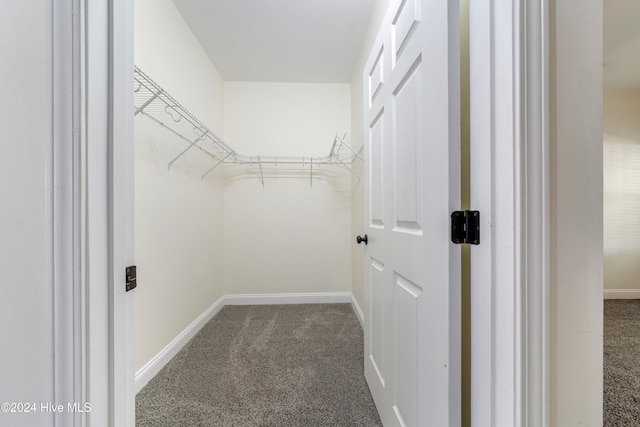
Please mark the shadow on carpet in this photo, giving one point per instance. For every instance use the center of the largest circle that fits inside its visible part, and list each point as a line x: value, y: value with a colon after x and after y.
x: 274, y: 365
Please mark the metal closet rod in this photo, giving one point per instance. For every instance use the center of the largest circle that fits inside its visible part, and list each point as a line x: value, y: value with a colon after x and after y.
x: 179, y: 115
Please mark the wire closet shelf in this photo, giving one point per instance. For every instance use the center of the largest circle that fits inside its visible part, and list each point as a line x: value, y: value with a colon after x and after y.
x: 154, y: 102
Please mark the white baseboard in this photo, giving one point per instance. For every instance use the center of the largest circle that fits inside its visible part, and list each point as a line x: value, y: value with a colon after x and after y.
x: 358, y: 310
x: 153, y: 366
x: 290, y: 298
x: 622, y: 294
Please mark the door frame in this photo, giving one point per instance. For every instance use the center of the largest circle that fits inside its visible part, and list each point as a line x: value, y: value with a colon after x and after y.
x: 510, y: 276
x: 537, y: 276
x: 91, y: 206
x: 502, y: 394
x: 94, y: 337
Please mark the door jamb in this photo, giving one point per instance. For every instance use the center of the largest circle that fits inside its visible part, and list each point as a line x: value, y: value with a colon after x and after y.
x: 121, y: 215
x: 529, y: 205
x: 91, y: 206
x: 510, y: 180
x: 535, y: 217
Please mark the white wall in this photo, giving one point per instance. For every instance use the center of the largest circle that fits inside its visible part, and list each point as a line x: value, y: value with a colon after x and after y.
x: 167, y: 50
x: 26, y: 369
x: 178, y: 216
x: 621, y: 127
x: 287, y: 236
x: 576, y: 213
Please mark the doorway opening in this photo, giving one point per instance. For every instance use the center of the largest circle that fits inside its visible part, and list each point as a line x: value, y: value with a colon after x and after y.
x: 621, y: 209
x: 262, y: 232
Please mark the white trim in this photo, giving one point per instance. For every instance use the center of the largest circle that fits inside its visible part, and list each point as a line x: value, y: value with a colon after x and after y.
x: 63, y: 241
x: 357, y: 310
x: 98, y: 316
x: 288, y: 298
x: 534, y: 201
x: 509, y: 176
x: 120, y: 169
x: 104, y: 41
x: 621, y: 294
x: 153, y: 366
x: 483, y: 122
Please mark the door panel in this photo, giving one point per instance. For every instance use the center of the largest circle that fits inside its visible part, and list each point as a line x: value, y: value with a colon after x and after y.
x: 376, y: 171
x: 408, y: 329
x: 407, y: 109
x: 404, y: 23
x: 376, y: 77
x: 412, y: 327
x: 377, y: 314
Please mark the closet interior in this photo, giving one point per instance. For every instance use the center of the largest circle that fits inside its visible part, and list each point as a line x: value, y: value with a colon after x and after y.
x: 246, y: 191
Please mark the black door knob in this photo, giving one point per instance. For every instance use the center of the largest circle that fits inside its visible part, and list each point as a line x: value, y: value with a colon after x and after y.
x: 364, y: 239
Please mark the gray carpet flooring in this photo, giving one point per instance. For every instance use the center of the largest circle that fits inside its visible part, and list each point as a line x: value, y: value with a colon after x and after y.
x: 622, y: 363
x: 277, y: 365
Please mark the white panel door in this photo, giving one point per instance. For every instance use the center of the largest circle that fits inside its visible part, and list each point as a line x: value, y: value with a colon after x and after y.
x: 412, y: 271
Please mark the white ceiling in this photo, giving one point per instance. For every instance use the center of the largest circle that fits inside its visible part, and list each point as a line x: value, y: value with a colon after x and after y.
x: 621, y: 44
x: 319, y: 40
x: 314, y: 41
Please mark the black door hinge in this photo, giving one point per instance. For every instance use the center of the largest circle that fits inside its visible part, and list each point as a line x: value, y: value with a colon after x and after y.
x: 131, y: 278
x: 465, y: 227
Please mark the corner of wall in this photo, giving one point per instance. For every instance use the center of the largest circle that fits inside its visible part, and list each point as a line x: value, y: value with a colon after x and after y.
x: 175, y: 209
x: 576, y: 248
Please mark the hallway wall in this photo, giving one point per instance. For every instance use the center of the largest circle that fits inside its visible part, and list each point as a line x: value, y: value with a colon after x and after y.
x: 26, y: 305
x: 576, y: 274
x: 178, y: 216
x: 621, y: 128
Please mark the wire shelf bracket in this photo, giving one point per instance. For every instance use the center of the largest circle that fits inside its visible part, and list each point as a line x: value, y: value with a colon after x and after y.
x: 154, y: 102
